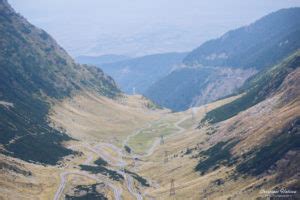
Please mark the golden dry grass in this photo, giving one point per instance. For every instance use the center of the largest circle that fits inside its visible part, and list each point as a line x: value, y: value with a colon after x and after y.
x: 91, y: 117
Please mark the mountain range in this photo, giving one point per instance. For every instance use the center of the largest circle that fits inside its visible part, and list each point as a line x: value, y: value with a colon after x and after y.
x: 238, y: 54
x: 69, y: 132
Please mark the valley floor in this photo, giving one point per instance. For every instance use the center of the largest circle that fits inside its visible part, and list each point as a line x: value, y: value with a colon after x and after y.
x: 152, y: 159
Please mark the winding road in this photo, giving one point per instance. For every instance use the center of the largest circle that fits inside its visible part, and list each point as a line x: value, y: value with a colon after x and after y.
x: 115, y: 162
x: 63, y: 176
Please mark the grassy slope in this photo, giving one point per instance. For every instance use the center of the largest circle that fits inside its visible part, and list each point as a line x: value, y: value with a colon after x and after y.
x: 34, y: 71
x: 91, y: 117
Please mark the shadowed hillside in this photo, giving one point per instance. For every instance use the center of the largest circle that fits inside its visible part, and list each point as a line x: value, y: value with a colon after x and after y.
x: 35, y: 71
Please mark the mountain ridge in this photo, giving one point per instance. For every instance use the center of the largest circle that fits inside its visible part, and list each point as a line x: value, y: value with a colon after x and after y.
x: 36, y: 71
x: 249, y: 46
x: 251, y: 49
x: 140, y: 73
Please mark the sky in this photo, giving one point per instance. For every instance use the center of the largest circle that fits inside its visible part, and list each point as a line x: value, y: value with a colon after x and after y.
x: 141, y: 27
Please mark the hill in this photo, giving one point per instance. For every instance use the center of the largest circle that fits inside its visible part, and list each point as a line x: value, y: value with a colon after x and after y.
x: 140, y: 73
x: 125, y: 147
x: 35, y: 71
x: 238, y: 54
x: 238, y: 157
x: 257, y: 89
x: 258, y: 45
x: 193, y: 86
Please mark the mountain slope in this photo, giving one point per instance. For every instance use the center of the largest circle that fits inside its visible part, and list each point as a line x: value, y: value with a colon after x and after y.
x: 140, y: 73
x: 261, y: 44
x: 257, y: 89
x: 192, y: 86
x: 35, y: 72
x: 255, y: 151
x: 247, y: 50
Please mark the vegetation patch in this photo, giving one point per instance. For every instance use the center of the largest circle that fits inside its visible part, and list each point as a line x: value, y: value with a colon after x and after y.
x: 100, y: 162
x: 137, y: 177
x: 216, y: 155
x: 152, y: 106
x: 90, y: 193
x: 14, y: 168
x: 103, y: 170
x: 35, y: 70
x: 127, y: 149
x: 269, y: 154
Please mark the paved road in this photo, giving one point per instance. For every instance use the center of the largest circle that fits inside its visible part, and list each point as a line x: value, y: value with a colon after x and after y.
x: 115, y: 162
x: 117, y: 191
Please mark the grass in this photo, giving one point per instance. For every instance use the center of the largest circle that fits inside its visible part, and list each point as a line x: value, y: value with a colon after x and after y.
x: 100, y: 162
x: 137, y: 177
x: 35, y: 71
x: 88, y: 116
x: 261, y: 160
x: 215, y: 156
x: 91, y: 193
x: 127, y: 149
x: 143, y: 141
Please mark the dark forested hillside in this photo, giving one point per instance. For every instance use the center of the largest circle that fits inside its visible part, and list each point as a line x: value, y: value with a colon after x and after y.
x: 34, y: 71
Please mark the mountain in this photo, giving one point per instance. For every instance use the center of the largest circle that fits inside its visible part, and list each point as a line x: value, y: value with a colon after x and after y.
x: 262, y: 126
x: 36, y: 72
x: 258, y: 45
x: 240, y: 53
x: 140, y: 73
x: 190, y: 86
x: 259, y: 88
x: 250, y: 150
x: 98, y: 60
x: 68, y: 132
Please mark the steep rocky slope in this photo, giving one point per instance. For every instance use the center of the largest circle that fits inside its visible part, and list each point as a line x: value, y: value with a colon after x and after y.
x: 257, y: 89
x: 34, y: 72
x: 194, y: 86
x: 249, y: 49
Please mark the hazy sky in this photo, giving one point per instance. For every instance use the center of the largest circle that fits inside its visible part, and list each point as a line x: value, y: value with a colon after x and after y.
x: 139, y: 27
